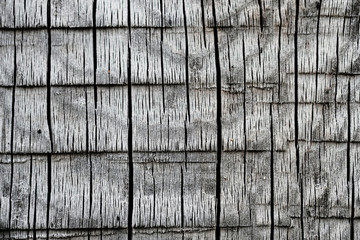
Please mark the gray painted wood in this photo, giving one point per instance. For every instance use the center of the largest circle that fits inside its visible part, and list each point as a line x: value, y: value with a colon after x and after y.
x: 243, y: 128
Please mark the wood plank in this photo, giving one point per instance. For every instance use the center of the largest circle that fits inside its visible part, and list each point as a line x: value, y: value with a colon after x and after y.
x: 112, y: 56
x: 7, y: 18
x: 85, y: 190
x: 110, y: 191
x: 157, y: 195
x: 6, y: 95
x: 200, y: 193
x: 323, y: 122
x: 146, y: 56
x: 7, y: 56
x: 326, y: 192
x: 245, y: 189
x: 108, y: 124
x: 106, y: 234
x: 27, y: 193
x: 245, y: 233
x: 69, y: 110
x: 31, y: 130
x: 355, y: 177
x: 70, y: 190
x: 30, y: 13
x: 5, y: 193
x: 111, y: 13
x: 201, y: 124
x: 159, y: 118
x: 354, y: 122
x: 286, y: 190
x: 31, y: 57
x: 163, y: 234
x: 104, y: 130
x: 162, y: 180
x: 146, y: 13
x: 71, y: 13
x: 71, y: 57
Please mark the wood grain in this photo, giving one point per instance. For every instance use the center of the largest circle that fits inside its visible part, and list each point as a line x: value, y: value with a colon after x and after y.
x: 179, y: 119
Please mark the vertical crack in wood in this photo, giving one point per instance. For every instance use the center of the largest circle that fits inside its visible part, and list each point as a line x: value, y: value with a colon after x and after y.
x: 244, y: 107
x: 162, y: 53
x: 318, y: 5
x: 349, y: 177
x: 12, y: 132
x: 186, y: 68
x: 182, y: 198
x: 88, y: 156
x: 279, y: 52
x: 94, y: 50
x: 203, y: 21
x: 299, y: 174
x: 259, y: 48
x: 95, y: 70
x: 187, y: 118
x: 29, y: 197
x: 130, y: 137
x: 48, y: 96
x: 218, y: 121
x: 272, y: 174
x: 48, y: 195
x: 35, y: 216
x: 261, y: 15
x: 337, y: 66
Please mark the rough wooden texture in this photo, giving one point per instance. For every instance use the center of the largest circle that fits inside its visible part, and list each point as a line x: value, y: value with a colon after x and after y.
x: 179, y: 119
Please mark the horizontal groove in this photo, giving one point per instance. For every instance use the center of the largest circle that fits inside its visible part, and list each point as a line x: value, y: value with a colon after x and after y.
x: 97, y: 84
x: 141, y: 152
x: 325, y: 73
x: 173, y: 152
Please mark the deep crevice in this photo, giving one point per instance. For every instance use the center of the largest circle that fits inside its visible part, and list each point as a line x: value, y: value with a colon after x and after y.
x: 48, y: 96
x: 261, y: 15
x: 30, y: 186
x: 95, y: 51
x: 162, y: 55
x: 337, y: 66
x: 12, y: 133
x: 317, y: 50
x: 94, y: 28
x: 130, y: 137
x: 187, y: 64
x: 35, y: 216
x: 48, y: 195
x: 279, y: 54
x: 203, y: 21
x: 272, y: 175
x: 348, y: 160
x: 182, y: 198
x: 218, y: 121
x: 299, y: 174
x: 244, y: 107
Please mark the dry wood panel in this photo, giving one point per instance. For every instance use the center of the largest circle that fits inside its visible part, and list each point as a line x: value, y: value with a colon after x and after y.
x: 100, y: 179
x: 26, y: 188
x: 71, y: 13
x: 5, y: 119
x: 31, y: 131
x: 179, y: 119
x: 7, y: 52
x: 112, y: 56
x: 72, y: 57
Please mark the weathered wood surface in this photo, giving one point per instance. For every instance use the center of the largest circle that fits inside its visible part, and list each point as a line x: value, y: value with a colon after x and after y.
x: 179, y: 119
